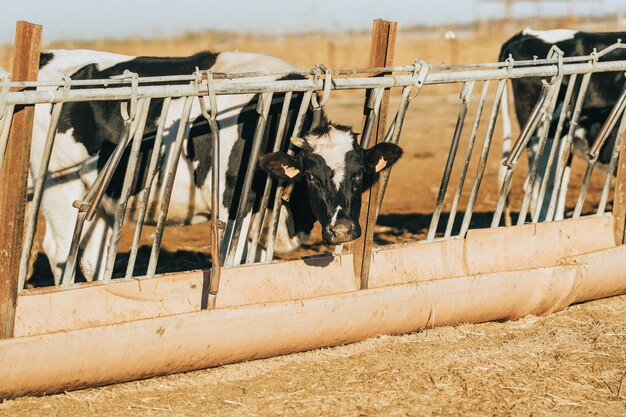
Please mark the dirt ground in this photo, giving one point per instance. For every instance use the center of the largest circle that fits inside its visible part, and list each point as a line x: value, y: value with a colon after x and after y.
x: 571, y: 363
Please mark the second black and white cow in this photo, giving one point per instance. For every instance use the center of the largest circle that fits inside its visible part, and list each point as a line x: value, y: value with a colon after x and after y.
x: 327, y: 171
x: 602, y: 93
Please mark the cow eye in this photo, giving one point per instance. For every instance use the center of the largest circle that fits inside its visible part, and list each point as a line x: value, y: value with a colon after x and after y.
x: 356, y: 182
x: 310, y: 177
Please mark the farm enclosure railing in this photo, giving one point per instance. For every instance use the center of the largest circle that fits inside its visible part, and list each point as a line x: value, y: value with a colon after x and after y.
x: 404, y: 288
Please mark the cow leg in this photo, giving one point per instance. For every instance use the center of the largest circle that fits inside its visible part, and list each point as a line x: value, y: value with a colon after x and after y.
x: 95, y: 245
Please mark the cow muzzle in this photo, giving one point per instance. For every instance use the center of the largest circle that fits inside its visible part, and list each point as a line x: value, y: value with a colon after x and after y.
x: 342, y: 231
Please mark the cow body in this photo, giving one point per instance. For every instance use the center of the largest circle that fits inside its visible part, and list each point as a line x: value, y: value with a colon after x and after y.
x: 602, y: 94
x: 88, y: 132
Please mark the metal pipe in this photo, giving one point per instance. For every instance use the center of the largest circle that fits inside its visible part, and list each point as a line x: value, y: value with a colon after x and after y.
x: 181, y: 134
x: 4, y: 132
x: 144, y: 195
x: 278, y: 200
x: 264, y: 105
x: 468, y: 156
x: 612, y: 165
x: 555, y: 145
x: 37, y: 194
x: 70, y: 264
x: 546, y: 120
x: 465, y: 96
x: 216, y: 262
x: 482, y: 163
x: 376, y: 99
x: 131, y: 168
x: 255, y: 87
x: 565, y: 148
x: 257, y: 225
x: 608, y: 125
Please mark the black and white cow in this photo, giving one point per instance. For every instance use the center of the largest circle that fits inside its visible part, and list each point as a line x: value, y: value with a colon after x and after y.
x: 602, y: 94
x: 327, y: 172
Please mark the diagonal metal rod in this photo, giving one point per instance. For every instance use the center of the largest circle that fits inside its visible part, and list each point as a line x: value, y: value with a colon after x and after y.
x: 375, y: 100
x: 144, y: 194
x: 181, y: 134
x: 468, y: 156
x: 565, y: 148
x: 544, y: 130
x: 520, y: 144
x: 131, y: 168
x: 257, y: 225
x: 265, y: 102
x: 594, y: 151
x: 482, y: 162
x: 555, y: 146
x: 37, y: 194
x: 612, y: 165
x: 278, y: 200
x: 465, y: 96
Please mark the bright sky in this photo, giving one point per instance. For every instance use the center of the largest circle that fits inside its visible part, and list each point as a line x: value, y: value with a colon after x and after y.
x: 88, y: 19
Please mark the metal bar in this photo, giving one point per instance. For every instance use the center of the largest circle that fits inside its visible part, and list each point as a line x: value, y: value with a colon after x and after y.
x: 468, y: 155
x: 255, y: 87
x: 482, y: 163
x: 131, y: 168
x: 216, y: 262
x: 546, y: 120
x: 144, y: 195
x: 243, y: 207
x: 13, y: 191
x: 183, y: 127
x: 4, y: 133
x: 583, y: 188
x: 70, y: 264
x: 465, y: 96
x: 564, y: 150
x: 256, y: 228
x: 555, y: 145
x: 278, y: 200
x: 608, y: 125
x: 377, y: 98
x: 520, y: 144
x: 37, y: 194
x: 612, y: 165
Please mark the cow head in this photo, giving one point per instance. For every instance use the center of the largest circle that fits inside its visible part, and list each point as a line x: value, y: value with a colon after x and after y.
x: 330, y: 166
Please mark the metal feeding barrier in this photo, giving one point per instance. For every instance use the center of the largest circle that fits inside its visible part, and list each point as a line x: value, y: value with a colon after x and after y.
x: 135, y: 95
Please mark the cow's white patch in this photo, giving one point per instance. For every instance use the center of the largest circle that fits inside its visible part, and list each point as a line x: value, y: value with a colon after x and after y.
x: 551, y: 36
x: 334, y: 219
x: 333, y: 147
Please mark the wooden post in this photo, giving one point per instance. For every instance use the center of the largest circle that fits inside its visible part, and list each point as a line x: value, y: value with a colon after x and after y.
x: 619, y: 200
x: 381, y: 55
x: 14, y: 175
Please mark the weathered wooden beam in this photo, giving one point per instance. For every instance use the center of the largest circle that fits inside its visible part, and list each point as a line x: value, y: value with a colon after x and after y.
x: 14, y: 175
x: 381, y: 55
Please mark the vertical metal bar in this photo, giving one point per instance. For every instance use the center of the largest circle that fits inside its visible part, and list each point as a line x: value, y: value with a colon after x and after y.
x: 13, y: 192
x: 468, y: 156
x: 612, y: 165
x: 244, y: 207
x: 516, y: 152
x: 183, y: 127
x: 556, y: 144
x: 144, y: 195
x: 4, y: 132
x: 564, y: 151
x: 465, y: 96
x: 216, y: 262
x: 37, y: 193
x: 482, y: 163
x: 131, y: 168
x: 278, y: 201
x: 546, y: 120
x: 377, y: 97
x: 257, y: 225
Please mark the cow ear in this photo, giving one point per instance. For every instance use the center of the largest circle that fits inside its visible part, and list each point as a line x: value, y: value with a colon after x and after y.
x: 381, y: 156
x: 281, y: 166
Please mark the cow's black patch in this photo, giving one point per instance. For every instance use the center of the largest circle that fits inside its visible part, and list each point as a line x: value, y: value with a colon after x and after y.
x: 45, y: 58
